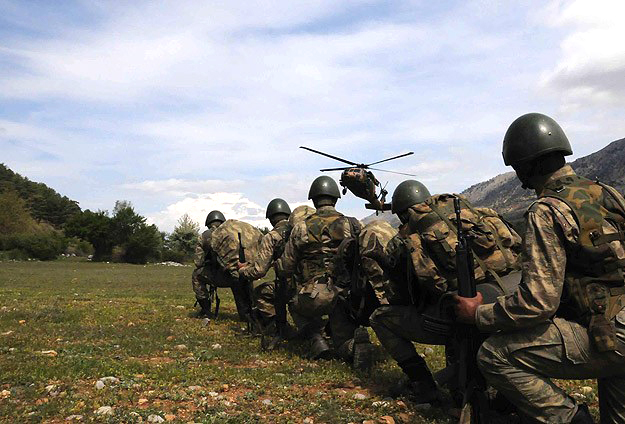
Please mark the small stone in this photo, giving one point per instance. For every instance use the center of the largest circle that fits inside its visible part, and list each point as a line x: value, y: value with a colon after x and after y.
x: 170, y: 338
x: 216, y: 346
x: 181, y: 347
x: 422, y: 355
x: 386, y: 419
x: 51, y: 353
x: 266, y: 402
x: 50, y: 388
x: 195, y: 388
x: 130, y: 324
x: 7, y: 333
x: 429, y: 351
x: 360, y: 396
x: 99, y: 384
x: 5, y: 394
x: 213, y: 394
x: 113, y: 380
x: 170, y: 417
x: 180, y: 307
x: 142, y: 401
x: 308, y: 420
x: 74, y: 418
x: 104, y: 410
x: 155, y: 419
x: 22, y: 321
x: 206, y: 322
x: 586, y: 390
x: 226, y: 403
x: 12, y: 349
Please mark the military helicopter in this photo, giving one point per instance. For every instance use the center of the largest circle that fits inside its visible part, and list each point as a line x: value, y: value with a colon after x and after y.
x: 361, y: 182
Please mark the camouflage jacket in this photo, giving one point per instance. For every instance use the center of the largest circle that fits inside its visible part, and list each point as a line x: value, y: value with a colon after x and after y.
x: 551, y: 229
x: 257, y: 268
x: 202, y: 248
x: 289, y: 263
x: 372, y: 243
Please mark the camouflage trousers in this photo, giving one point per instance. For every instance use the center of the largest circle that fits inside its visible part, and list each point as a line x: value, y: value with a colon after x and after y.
x: 312, y: 313
x: 521, y: 364
x: 264, y: 298
x: 200, y: 283
x: 398, y: 326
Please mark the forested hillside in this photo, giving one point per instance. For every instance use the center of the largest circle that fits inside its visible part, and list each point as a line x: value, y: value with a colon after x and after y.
x: 42, y: 202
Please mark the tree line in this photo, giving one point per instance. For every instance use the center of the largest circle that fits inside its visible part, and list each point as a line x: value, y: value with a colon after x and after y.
x: 37, y: 222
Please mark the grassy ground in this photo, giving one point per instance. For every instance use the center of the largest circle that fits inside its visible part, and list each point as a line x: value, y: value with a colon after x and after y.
x: 65, y: 325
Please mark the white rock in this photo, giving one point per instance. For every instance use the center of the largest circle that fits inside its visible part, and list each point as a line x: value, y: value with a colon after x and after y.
x: 180, y: 307
x: 266, y: 402
x: 429, y: 351
x: 180, y: 347
x: 360, y: 396
x: 206, y: 322
x: 308, y: 420
x: 226, y: 403
x: 50, y: 388
x: 99, y: 384
x: 114, y: 380
x: 195, y: 388
x: 155, y: 419
x: 216, y: 346
x: 586, y: 390
x: 74, y: 418
x: 213, y: 394
x: 5, y: 394
x: 104, y: 410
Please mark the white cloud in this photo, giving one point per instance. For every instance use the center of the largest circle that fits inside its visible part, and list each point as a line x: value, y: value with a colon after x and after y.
x: 178, y: 187
x: 232, y: 205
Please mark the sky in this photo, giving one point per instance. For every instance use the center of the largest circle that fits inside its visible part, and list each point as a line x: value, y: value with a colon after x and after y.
x: 187, y: 106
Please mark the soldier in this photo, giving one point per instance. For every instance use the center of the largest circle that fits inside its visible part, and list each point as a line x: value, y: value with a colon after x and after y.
x: 321, y: 279
x: 566, y: 319
x: 270, y: 249
x: 199, y: 278
x: 426, y: 273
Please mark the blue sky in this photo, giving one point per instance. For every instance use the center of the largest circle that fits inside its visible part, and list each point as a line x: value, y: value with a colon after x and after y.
x: 188, y: 106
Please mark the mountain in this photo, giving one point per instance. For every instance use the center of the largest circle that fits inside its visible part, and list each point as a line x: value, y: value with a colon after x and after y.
x: 382, y: 216
x: 504, y: 192
x: 44, y: 203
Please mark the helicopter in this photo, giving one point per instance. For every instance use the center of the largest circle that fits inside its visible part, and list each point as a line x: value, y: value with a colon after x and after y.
x: 358, y: 179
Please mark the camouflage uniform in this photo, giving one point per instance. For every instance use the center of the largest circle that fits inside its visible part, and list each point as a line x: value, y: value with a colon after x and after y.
x: 532, y: 346
x: 199, y: 277
x: 264, y: 291
x: 398, y: 322
x: 320, y: 291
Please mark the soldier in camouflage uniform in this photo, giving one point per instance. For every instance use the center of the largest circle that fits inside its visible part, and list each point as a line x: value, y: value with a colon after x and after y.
x: 270, y: 249
x: 566, y: 320
x: 398, y: 322
x: 321, y: 280
x: 199, y: 278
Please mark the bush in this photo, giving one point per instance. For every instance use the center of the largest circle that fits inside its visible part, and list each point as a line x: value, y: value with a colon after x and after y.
x: 79, y: 247
x: 174, y: 256
x: 43, y: 246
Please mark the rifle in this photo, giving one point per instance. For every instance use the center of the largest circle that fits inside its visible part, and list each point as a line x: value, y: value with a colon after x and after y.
x: 470, y: 381
x: 246, y: 291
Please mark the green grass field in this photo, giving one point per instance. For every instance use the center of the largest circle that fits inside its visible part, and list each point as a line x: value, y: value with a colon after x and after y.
x: 64, y: 325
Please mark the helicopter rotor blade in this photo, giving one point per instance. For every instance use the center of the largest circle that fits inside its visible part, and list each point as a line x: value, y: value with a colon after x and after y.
x: 393, y: 158
x: 336, y: 169
x: 393, y: 172
x: 328, y: 155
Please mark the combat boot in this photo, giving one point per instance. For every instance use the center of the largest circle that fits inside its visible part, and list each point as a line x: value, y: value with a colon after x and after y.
x: 363, y: 350
x: 319, y: 348
x: 421, y: 387
x: 205, y: 310
x: 582, y: 416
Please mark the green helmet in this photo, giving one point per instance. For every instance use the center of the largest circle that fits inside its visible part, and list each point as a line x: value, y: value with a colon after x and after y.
x: 277, y: 206
x: 408, y: 193
x: 533, y: 135
x: 214, y: 216
x: 324, y: 186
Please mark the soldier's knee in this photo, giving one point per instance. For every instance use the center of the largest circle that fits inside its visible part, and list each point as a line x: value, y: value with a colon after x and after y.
x: 490, y: 356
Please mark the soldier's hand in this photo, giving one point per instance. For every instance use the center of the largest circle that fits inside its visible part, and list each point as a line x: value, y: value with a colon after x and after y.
x: 465, y: 307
